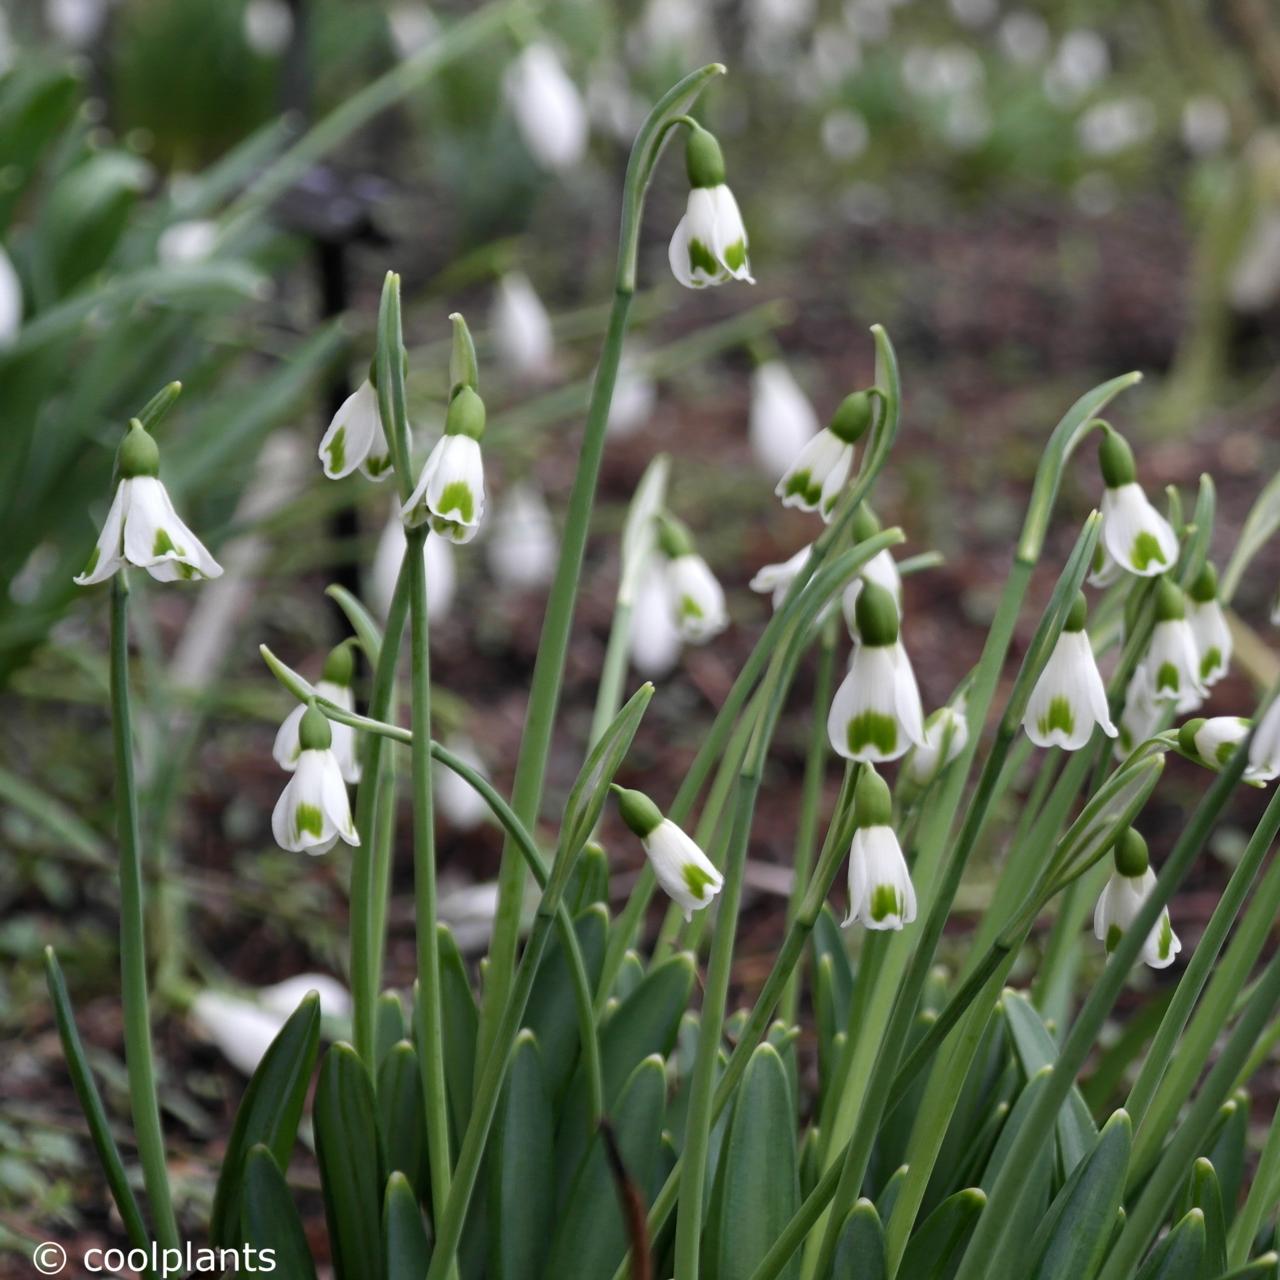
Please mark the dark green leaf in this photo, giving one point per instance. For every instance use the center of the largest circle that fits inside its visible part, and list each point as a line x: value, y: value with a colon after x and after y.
x: 408, y: 1248
x: 936, y: 1246
x: 388, y: 1025
x: 461, y: 1022
x: 860, y: 1250
x: 271, y: 1219
x: 1178, y: 1255
x: 402, y: 1116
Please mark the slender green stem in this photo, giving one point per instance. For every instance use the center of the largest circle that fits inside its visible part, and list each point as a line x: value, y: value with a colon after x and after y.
x: 133, y: 947
x: 1261, y: 1199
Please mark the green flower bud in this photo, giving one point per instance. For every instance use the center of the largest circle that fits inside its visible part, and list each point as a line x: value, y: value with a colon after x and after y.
x: 138, y: 454
x: 314, y: 733
x: 1187, y: 737
x: 1131, y: 854
x: 466, y: 415
x: 1078, y: 615
x: 637, y: 810
x: 463, y: 369
x: 703, y: 158
x: 872, y: 803
x: 1116, y: 459
x: 876, y: 614
x: 865, y: 524
x: 1171, y: 604
x: 674, y: 538
x: 852, y: 418
x: 340, y: 665
x: 1205, y: 587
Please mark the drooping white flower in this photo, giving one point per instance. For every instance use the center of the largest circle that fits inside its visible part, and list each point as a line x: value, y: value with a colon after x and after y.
x: 458, y: 801
x: 1137, y: 537
x: 355, y: 438
x: 685, y: 873
x: 142, y: 527
x: 313, y: 812
x: 1121, y: 899
x: 442, y: 575
x: 10, y: 301
x: 782, y: 421
x: 776, y: 579
x: 655, y: 639
x: 413, y: 26
x: 1209, y: 627
x: 334, y: 685
x: 282, y: 998
x: 816, y: 478
x: 876, y: 714
x: 1215, y: 740
x: 547, y: 107
x: 695, y: 597
x: 450, y: 490
x: 634, y: 395
x: 182, y: 243
x: 522, y: 544
x: 1141, y: 715
x: 1069, y: 699
x: 241, y: 1030
x: 1172, y: 661
x: 1264, y: 750
x: 709, y: 245
x: 946, y: 734
x: 268, y: 27
x: 522, y: 334
x: 76, y: 22
x: 881, y: 895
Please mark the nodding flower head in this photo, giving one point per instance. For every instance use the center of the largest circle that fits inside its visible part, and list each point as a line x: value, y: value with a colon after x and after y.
x: 1136, y: 536
x: 815, y: 480
x: 1214, y: 741
x: 1209, y: 626
x: 710, y: 242
x: 695, y: 597
x: 1172, y: 661
x: 450, y: 490
x: 682, y: 869
x: 334, y: 686
x: 355, y: 437
x: 1128, y: 888
x: 881, y: 895
x: 313, y: 812
x: 1069, y: 700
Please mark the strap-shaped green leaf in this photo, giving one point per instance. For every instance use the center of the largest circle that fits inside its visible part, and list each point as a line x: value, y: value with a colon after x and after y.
x: 552, y: 1014
x: 1073, y: 1238
x: 270, y: 1218
x: 761, y: 1188
x: 1179, y: 1254
x: 592, y: 1236
x: 1204, y: 1193
x: 1035, y: 1048
x: 1228, y: 1153
x: 91, y: 1104
x: 860, y: 1251
x: 590, y: 880
x: 888, y: 1196
x: 1267, y: 1267
x: 460, y: 1022
x: 935, y: 1248
x: 352, y: 1168
x: 269, y: 1112
x: 388, y: 1025
x: 522, y: 1180
x: 401, y: 1116
x: 405, y: 1231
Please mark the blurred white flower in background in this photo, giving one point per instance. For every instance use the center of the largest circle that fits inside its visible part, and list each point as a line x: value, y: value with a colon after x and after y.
x: 182, y: 243
x: 967, y: 122
x: 75, y: 22
x: 974, y: 13
x: 1108, y: 128
x: 634, y: 395
x: 459, y: 802
x: 284, y: 997
x: 268, y: 27
x: 869, y: 20
x: 671, y: 28
x: 611, y: 106
x: 10, y: 300
x: 1023, y: 38
x: 835, y: 58
x: 1206, y: 124
x: 782, y: 421
x: 655, y: 638
x: 441, y: 573
x: 1080, y: 64
x: 1255, y: 279
x: 547, y: 107
x: 844, y: 134
x: 522, y: 544
x: 412, y: 27
x: 521, y: 327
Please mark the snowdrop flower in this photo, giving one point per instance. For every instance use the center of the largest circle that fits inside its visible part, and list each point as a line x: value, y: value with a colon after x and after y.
x: 76, y: 22
x: 876, y: 714
x: 1214, y: 741
x: 695, y: 598
x: 142, y: 527
x: 283, y: 998
x: 655, y: 639
x: 10, y: 301
x: 816, y: 477
x: 946, y: 734
x: 1104, y: 571
x: 1264, y: 750
x: 413, y: 26
x: 881, y: 569
x: 682, y: 869
x: 268, y: 27
x: 1141, y: 715
x: 461, y: 804
x: 442, y: 576
x: 334, y: 685
x: 782, y: 421
x: 1122, y: 898
x: 241, y: 1030
x: 547, y: 107
x: 634, y: 395
x: 182, y: 243
x: 313, y: 811
x: 881, y: 895
x: 1135, y: 534
x: 521, y: 327
x: 522, y: 546
x: 777, y: 578
x: 1172, y: 661
x: 1069, y: 699
x: 710, y: 243
x: 450, y: 490
x: 355, y: 437
x: 1209, y: 627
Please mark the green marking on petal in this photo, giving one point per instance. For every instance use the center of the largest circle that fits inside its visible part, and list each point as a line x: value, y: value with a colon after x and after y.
x: 1164, y: 942
x: 92, y: 563
x: 1211, y: 661
x: 337, y: 450
x: 1224, y: 752
x: 1114, y: 934
x: 690, y: 608
x: 376, y: 464
x: 164, y: 544
x: 735, y: 256
x: 801, y: 484
x: 886, y: 901
x: 696, y: 879
x: 1059, y: 716
x: 1167, y: 678
x: 702, y: 259
x: 308, y: 819
x: 457, y: 497
x: 872, y: 729
x: 1146, y: 551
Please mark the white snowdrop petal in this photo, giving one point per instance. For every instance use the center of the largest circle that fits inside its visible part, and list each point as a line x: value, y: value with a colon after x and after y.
x: 108, y: 553
x: 782, y: 421
x: 521, y: 327
x: 696, y: 599
x: 287, y: 747
x: 1135, y: 534
x: 353, y: 434
x: 655, y: 639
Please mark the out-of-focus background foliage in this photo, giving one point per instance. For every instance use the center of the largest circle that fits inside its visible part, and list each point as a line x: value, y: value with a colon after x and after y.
x: 1030, y: 197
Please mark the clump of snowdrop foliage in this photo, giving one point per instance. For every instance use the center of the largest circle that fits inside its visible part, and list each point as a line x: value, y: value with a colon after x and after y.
x: 583, y: 1099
